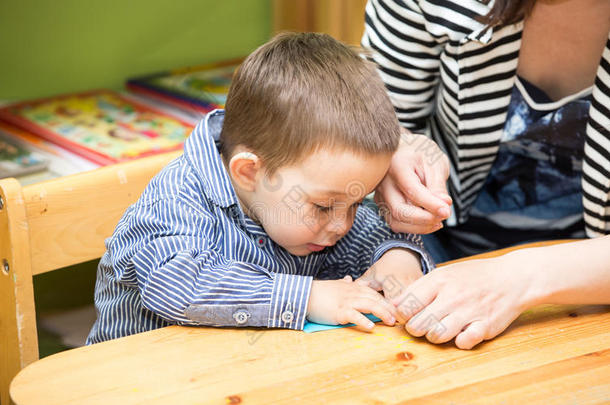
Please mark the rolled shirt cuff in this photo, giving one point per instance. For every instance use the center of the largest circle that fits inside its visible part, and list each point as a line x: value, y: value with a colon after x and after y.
x: 427, y: 264
x: 289, y: 301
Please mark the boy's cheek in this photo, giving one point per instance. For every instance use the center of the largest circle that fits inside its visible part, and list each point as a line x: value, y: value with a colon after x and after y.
x: 290, y: 236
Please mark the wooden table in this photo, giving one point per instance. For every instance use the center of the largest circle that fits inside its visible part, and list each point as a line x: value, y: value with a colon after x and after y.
x: 550, y: 355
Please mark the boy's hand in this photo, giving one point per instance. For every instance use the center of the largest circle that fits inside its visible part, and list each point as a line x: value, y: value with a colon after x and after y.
x: 338, y: 302
x: 393, y: 273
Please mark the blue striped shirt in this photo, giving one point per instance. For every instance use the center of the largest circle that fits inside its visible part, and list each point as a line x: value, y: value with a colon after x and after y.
x: 185, y: 253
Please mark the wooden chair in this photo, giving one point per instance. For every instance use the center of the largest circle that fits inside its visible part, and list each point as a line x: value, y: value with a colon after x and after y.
x: 51, y: 225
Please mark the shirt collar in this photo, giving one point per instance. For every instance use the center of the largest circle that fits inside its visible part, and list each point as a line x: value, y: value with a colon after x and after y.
x: 253, y: 227
x: 201, y: 151
x: 482, y: 35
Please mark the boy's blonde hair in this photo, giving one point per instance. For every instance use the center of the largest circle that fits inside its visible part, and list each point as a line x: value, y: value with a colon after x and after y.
x: 303, y: 91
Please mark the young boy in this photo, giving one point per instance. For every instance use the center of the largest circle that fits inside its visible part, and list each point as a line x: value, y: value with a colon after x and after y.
x: 252, y: 225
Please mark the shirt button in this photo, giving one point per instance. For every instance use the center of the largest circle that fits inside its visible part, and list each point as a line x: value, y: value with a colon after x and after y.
x: 241, y: 316
x: 287, y: 316
x: 261, y: 241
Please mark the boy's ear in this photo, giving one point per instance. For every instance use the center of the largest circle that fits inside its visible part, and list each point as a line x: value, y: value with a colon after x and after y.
x: 244, y: 167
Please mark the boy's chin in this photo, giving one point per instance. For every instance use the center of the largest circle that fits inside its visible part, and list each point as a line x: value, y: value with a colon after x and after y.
x: 298, y: 251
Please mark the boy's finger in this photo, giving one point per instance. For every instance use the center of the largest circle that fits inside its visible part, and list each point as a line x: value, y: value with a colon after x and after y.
x: 400, y: 318
x: 364, y: 280
x: 377, y: 308
x: 367, y: 280
x: 361, y: 321
x: 369, y: 283
x: 374, y: 296
x: 391, y: 308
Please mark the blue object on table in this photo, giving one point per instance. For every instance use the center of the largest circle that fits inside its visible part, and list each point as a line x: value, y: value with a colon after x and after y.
x: 311, y: 327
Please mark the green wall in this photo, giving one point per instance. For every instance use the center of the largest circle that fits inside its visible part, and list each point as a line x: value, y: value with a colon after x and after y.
x: 50, y: 47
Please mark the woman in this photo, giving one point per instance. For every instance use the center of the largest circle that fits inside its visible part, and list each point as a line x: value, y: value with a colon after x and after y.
x: 517, y: 95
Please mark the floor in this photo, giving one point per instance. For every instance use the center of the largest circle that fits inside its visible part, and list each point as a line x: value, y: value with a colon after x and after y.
x: 68, y: 328
x: 64, y: 307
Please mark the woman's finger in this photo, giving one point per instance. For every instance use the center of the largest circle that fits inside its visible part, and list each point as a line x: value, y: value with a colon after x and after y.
x: 436, y: 174
x: 451, y: 325
x: 416, y: 297
x: 472, y: 335
x: 412, y: 187
x: 394, y: 206
x: 399, y: 227
x: 428, y: 320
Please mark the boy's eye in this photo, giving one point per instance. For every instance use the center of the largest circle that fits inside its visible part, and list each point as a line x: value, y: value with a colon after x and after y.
x: 356, y: 205
x: 322, y: 208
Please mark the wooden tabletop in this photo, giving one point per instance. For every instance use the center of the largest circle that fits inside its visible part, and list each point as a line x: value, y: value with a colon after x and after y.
x: 550, y: 354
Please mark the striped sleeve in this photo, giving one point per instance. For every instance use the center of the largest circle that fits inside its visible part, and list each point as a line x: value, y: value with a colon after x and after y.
x: 407, y: 57
x: 596, y: 163
x: 369, y: 238
x: 182, y: 277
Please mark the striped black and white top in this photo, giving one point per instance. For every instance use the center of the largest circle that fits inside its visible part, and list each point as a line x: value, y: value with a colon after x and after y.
x: 451, y: 77
x: 185, y: 253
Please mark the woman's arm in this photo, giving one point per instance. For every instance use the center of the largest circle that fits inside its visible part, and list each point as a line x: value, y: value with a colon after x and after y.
x: 572, y: 273
x: 407, y: 57
x: 476, y: 300
x: 408, y: 60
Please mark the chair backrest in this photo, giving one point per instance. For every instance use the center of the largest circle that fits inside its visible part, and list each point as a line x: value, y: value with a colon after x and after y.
x: 51, y: 225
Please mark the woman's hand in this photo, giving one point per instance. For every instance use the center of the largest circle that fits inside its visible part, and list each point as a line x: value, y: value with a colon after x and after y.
x: 472, y: 301
x: 476, y: 300
x: 413, y: 195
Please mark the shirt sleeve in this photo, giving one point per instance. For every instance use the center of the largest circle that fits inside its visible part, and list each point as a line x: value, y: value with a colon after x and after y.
x: 183, y: 277
x: 407, y: 55
x: 369, y: 238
